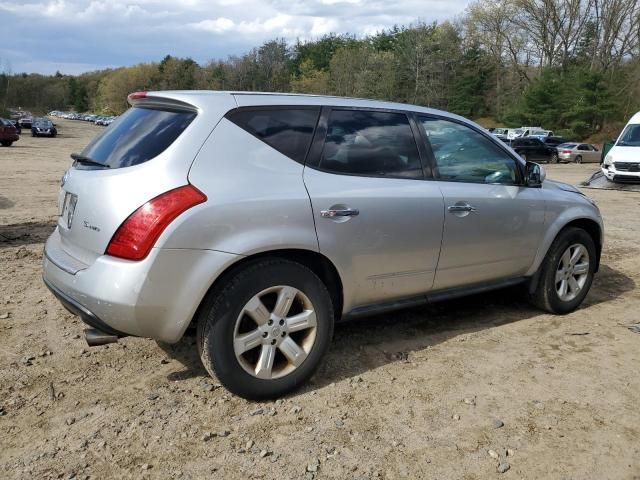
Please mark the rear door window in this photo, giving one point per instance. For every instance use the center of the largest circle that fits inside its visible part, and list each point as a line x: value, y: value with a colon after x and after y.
x: 288, y: 130
x: 138, y: 135
x: 370, y: 143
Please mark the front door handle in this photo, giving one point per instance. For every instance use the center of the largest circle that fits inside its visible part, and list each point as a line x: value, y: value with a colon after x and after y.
x: 461, y: 207
x: 348, y: 212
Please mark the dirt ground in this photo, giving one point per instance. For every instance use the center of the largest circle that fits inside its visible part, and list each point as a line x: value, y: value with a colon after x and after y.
x: 414, y: 394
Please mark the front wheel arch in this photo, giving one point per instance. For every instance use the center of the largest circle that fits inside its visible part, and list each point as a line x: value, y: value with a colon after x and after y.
x: 586, y: 224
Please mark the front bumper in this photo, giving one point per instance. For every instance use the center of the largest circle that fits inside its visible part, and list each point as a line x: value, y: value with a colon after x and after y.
x: 153, y: 298
x: 620, y: 175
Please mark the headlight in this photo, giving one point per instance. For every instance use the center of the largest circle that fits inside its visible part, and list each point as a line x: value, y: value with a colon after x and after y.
x: 608, y: 159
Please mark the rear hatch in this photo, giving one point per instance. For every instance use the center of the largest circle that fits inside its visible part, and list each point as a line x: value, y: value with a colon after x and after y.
x: 145, y: 153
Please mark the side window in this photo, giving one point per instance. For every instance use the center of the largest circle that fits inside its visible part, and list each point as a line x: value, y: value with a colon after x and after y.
x: 370, y: 144
x: 464, y: 155
x: 583, y: 148
x: 287, y: 130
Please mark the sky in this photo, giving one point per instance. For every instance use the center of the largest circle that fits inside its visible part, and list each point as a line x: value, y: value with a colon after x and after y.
x: 75, y: 36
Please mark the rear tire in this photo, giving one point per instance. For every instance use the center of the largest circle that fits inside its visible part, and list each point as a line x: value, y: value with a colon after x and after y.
x: 283, y: 353
x: 554, y: 158
x: 578, y: 159
x: 564, y: 280
x: 6, y: 143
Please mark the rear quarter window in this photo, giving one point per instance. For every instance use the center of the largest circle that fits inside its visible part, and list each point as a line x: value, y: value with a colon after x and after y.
x: 288, y: 130
x: 139, y: 135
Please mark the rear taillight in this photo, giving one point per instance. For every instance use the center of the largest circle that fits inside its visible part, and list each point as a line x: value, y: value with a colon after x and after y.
x: 566, y: 151
x: 138, y: 234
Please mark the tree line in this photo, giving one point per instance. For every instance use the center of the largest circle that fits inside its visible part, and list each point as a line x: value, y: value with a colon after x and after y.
x: 568, y: 65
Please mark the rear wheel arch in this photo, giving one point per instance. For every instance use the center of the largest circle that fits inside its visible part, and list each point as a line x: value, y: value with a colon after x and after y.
x: 314, y: 261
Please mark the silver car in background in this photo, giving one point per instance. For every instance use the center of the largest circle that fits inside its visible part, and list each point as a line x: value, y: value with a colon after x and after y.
x: 262, y: 219
x: 578, y: 153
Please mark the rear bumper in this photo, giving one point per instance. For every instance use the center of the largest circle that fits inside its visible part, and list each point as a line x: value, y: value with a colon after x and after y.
x: 154, y: 298
x: 85, y: 315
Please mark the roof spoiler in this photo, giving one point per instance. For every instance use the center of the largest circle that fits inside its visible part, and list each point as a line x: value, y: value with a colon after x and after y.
x: 156, y: 100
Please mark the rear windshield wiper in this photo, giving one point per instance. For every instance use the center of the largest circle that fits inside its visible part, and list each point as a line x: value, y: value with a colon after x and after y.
x: 87, y: 161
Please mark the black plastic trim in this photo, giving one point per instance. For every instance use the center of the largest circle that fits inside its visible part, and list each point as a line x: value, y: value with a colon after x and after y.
x: 85, y: 314
x: 432, y: 297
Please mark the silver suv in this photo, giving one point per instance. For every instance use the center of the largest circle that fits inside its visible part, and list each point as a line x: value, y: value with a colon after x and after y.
x: 262, y: 219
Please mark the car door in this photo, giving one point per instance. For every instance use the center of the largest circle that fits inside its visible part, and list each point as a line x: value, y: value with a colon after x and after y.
x: 493, y: 223
x: 595, y: 154
x: 588, y: 153
x: 376, y: 217
x: 541, y: 150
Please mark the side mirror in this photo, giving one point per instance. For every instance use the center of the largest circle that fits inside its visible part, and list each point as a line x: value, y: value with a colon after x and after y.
x: 534, y: 175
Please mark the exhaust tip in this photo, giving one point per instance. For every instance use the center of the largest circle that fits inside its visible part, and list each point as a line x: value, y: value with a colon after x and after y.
x: 95, y: 337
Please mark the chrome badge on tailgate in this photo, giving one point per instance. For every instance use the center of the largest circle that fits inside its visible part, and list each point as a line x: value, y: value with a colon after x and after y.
x: 68, y: 209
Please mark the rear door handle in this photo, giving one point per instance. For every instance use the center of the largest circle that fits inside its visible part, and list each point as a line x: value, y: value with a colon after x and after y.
x: 461, y: 207
x: 349, y: 212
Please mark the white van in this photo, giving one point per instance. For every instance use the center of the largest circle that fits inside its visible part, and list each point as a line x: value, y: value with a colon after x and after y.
x: 622, y: 162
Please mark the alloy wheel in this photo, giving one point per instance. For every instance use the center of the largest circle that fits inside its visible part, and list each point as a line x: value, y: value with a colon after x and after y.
x: 275, y: 332
x: 572, y: 272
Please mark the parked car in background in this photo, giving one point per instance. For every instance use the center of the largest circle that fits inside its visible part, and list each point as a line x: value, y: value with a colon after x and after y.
x: 26, y: 121
x: 554, y: 141
x: 262, y: 219
x: 8, y: 133
x: 622, y: 162
x: 541, y: 134
x: 534, y: 150
x: 501, y: 133
x: 578, y: 153
x: 16, y: 125
x: 43, y: 127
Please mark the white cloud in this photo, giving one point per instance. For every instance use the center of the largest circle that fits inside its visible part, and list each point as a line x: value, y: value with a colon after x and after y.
x: 124, y: 32
x: 218, y: 25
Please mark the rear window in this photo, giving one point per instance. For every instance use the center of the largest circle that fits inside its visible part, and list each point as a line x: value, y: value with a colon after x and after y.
x: 288, y: 130
x: 139, y: 135
x: 567, y: 145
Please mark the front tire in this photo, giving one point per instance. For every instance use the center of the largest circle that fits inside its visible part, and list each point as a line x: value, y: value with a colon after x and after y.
x: 567, y: 272
x: 265, y: 331
x: 6, y: 143
x: 554, y: 158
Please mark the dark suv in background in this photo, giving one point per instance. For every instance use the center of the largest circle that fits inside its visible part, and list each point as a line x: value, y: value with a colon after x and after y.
x: 43, y: 127
x: 535, y: 150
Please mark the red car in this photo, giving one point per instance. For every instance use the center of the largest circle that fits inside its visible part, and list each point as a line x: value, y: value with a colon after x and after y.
x: 8, y: 133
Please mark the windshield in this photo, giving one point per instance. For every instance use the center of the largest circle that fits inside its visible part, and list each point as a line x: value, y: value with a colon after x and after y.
x: 44, y: 123
x: 630, y: 137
